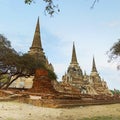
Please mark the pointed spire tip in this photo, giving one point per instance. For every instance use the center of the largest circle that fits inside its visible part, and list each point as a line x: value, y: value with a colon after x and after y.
x: 74, y: 57
x: 94, y: 65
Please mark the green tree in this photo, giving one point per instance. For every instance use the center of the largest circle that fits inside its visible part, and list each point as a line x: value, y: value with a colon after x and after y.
x: 17, y: 65
x: 50, y: 8
x: 114, y: 53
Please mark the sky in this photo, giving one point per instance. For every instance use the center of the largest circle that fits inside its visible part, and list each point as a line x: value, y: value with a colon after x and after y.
x: 94, y: 31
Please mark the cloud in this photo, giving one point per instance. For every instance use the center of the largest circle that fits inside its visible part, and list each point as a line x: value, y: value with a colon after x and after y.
x: 113, y: 24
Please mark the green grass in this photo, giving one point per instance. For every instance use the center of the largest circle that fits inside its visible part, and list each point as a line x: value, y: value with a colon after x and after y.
x: 102, y: 118
x: 9, y: 119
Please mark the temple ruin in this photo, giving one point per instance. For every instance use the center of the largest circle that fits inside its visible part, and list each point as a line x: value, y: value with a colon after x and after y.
x: 76, y: 88
x: 83, y: 83
x: 74, y: 80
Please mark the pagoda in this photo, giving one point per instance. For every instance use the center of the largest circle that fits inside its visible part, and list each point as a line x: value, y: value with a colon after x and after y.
x: 36, y: 49
x: 85, y: 84
x: 74, y: 75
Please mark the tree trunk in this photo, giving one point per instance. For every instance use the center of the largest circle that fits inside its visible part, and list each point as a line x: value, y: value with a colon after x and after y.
x: 6, y: 87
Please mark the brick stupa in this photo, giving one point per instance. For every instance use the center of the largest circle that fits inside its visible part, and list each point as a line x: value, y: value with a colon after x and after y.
x: 42, y: 83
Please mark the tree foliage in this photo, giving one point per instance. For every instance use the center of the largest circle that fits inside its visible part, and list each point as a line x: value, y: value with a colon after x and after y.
x: 52, y: 75
x: 14, y: 65
x: 115, y: 92
x: 50, y: 8
x: 94, y: 2
x: 114, y: 53
x: 4, y: 42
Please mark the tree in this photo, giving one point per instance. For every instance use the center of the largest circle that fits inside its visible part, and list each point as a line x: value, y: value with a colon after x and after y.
x: 24, y: 66
x: 94, y: 2
x: 114, y: 53
x: 50, y: 8
x: 6, y: 50
x: 17, y: 65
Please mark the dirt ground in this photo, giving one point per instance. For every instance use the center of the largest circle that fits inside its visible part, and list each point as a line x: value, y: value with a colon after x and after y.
x: 21, y: 111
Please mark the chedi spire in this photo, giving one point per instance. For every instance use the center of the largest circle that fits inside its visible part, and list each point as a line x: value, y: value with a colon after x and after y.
x: 94, y: 66
x: 74, y: 57
x: 37, y: 38
x: 36, y: 49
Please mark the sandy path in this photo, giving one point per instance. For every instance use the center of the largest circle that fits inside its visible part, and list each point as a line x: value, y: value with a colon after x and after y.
x: 21, y: 111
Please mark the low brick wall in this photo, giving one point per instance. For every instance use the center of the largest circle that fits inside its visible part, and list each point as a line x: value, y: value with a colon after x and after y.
x: 59, y: 103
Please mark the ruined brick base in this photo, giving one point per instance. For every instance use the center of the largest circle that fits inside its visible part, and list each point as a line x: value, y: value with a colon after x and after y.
x: 42, y: 83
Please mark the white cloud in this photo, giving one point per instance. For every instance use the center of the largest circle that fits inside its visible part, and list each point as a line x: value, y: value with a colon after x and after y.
x: 113, y: 24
